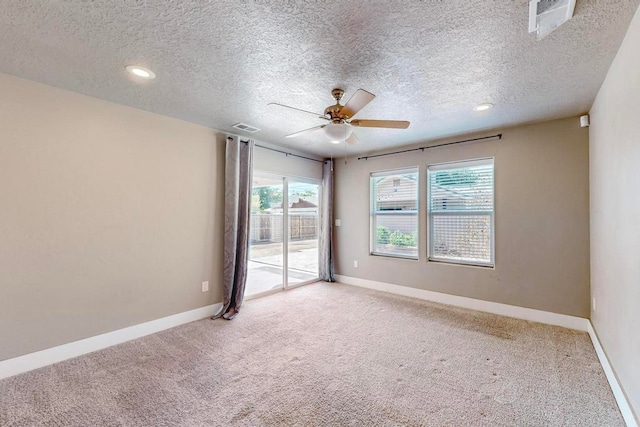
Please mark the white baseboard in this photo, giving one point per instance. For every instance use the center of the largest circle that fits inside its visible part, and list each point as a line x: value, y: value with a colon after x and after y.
x: 39, y: 359
x: 618, y: 393
x: 571, y: 322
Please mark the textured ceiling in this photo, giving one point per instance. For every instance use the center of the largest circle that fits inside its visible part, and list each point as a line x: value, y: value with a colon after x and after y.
x: 222, y: 62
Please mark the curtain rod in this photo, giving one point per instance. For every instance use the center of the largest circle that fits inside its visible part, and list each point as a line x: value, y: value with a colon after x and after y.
x: 286, y: 153
x: 426, y: 147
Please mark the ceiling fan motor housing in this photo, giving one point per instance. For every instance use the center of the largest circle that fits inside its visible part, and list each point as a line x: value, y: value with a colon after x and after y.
x: 333, y: 111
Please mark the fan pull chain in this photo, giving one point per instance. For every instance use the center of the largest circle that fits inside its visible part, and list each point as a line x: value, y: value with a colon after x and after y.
x: 345, y: 144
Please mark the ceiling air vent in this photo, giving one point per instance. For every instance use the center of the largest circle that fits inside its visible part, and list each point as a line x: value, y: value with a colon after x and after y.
x: 245, y: 127
x: 547, y: 15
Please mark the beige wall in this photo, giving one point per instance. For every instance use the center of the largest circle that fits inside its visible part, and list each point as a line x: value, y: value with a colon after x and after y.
x: 615, y: 214
x: 109, y: 216
x: 280, y: 164
x: 541, y: 221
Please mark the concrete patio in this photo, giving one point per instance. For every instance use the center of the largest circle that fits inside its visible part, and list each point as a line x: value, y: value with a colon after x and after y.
x: 266, y: 265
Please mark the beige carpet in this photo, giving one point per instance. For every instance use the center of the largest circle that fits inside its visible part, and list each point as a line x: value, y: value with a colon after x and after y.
x: 327, y: 355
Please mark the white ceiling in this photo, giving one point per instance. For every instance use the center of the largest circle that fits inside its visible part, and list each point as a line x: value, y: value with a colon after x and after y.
x: 222, y: 62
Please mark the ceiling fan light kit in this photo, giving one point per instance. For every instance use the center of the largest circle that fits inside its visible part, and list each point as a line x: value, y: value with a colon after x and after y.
x: 340, y: 126
x: 338, y: 131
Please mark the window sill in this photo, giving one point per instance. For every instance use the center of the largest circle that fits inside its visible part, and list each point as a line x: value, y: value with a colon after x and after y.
x: 410, y: 258
x: 461, y: 263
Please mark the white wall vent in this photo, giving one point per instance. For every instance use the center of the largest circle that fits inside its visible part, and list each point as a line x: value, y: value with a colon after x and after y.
x: 245, y: 127
x: 547, y: 15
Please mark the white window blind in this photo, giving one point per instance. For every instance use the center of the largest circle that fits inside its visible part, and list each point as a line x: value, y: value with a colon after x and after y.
x: 460, y: 212
x: 394, y: 213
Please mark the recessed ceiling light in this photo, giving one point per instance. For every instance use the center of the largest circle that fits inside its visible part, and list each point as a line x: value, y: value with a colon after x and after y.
x: 483, y: 107
x: 335, y: 142
x: 142, y: 72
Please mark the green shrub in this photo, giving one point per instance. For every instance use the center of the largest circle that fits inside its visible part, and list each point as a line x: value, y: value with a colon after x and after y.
x: 398, y: 238
x: 382, y: 234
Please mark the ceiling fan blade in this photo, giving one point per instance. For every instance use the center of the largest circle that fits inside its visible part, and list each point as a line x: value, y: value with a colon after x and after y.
x: 293, y: 135
x: 393, y: 124
x: 356, y: 103
x: 352, y: 140
x: 299, y: 109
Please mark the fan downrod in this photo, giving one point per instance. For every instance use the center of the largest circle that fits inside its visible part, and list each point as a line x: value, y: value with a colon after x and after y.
x: 337, y: 94
x: 333, y: 111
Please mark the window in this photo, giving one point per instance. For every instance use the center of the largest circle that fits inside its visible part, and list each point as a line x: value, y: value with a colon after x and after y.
x: 460, y: 212
x: 394, y: 213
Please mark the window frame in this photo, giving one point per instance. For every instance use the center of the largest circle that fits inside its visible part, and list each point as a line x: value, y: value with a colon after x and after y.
x: 373, y: 215
x: 491, y: 214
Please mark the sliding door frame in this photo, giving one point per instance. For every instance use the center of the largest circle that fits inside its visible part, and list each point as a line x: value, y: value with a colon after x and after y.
x: 285, y: 229
x: 303, y: 180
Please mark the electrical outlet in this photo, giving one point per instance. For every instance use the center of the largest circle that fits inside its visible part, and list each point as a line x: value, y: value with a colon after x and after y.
x: 593, y: 304
x: 338, y: 223
x: 205, y: 286
x: 355, y: 263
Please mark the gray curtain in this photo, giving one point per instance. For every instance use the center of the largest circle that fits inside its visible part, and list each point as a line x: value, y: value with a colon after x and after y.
x: 237, y: 214
x: 326, y: 224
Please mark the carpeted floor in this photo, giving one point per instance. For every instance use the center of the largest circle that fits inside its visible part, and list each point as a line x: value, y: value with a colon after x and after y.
x: 327, y: 355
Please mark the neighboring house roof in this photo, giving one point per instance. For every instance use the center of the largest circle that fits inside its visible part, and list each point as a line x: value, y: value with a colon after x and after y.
x: 301, y: 203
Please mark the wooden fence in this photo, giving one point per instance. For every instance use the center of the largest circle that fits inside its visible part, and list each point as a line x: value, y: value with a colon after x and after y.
x: 268, y: 227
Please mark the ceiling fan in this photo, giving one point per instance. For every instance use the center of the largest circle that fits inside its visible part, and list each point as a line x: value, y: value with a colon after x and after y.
x: 340, y: 117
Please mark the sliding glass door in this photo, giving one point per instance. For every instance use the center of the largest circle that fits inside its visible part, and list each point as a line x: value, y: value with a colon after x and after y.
x: 303, y: 215
x: 266, y: 238
x: 278, y: 201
